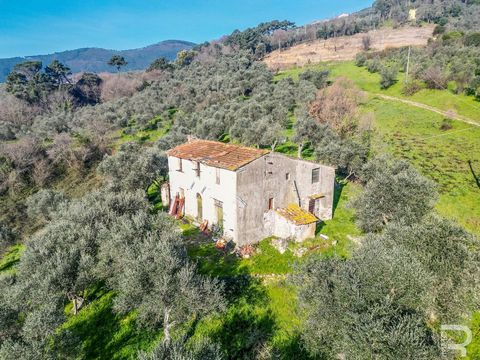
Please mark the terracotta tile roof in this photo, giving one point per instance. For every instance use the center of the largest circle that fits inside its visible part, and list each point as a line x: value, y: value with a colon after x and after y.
x: 217, y: 154
x: 297, y: 215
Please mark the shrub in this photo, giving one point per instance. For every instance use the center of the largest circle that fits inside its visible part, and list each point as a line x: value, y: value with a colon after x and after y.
x: 439, y: 29
x: 446, y: 124
x: 366, y: 42
x: 360, y: 59
x: 388, y: 76
x: 373, y: 65
x: 472, y: 39
x: 411, y: 88
x: 435, y: 78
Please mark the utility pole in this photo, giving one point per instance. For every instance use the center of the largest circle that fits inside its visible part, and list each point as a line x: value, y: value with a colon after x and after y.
x: 408, y: 64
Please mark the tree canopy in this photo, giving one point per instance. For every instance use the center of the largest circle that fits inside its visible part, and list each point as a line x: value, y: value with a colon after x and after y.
x: 117, y: 61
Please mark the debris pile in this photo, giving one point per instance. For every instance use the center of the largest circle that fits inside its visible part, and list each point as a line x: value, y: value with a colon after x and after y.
x: 245, y: 251
x: 280, y: 244
x: 300, y: 252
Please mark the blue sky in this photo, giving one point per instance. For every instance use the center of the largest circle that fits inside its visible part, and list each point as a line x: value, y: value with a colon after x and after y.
x: 33, y: 27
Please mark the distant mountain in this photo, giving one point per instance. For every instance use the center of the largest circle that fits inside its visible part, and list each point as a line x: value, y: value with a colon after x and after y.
x: 95, y: 59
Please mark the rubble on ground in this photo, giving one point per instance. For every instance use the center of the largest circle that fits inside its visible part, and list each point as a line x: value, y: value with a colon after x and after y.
x: 280, y: 245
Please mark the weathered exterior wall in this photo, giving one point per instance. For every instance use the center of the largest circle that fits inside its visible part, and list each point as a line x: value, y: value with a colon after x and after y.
x: 206, y: 186
x: 252, y: 203
x: 325, y: 186
x: 286, y: 180
x: 284, y: 229
x: 245, y: 193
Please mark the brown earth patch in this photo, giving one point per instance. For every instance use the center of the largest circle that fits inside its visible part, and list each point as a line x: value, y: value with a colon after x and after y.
x: 347, y: 47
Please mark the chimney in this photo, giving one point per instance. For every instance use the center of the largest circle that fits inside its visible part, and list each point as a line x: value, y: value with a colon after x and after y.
x: 190, y: 138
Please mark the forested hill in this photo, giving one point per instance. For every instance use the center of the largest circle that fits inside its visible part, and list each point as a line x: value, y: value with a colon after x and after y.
x: 95, y: 59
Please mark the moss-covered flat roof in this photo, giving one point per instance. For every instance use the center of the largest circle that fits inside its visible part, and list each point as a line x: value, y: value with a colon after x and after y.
x: 297, y: 215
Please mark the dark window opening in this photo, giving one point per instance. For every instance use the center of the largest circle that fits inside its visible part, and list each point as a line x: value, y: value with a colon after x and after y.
x: 315, y: 175
x: 287, y: 176
x: 270, y: 204
x: 219, y: 212
x: 180, y: 165
x: 197, y: 169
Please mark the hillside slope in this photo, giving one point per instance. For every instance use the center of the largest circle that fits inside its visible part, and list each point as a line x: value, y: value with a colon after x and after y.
x: 346, y: 47
x: 95, y: 59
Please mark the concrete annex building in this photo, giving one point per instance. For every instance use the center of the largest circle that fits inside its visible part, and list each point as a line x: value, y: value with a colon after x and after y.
x: 250, y: 193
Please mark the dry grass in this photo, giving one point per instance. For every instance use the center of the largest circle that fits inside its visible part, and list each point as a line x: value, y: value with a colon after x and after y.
x: 347, y: 47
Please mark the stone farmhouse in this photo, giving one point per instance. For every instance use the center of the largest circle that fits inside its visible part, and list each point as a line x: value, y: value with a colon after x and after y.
x: 249, y: 193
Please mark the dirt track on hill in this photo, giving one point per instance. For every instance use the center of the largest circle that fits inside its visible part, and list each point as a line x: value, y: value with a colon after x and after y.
x: 447, y: 114
x: 347, y: 47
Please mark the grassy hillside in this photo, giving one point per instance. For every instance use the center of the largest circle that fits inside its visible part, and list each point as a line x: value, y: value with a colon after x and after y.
x: 416, y: 134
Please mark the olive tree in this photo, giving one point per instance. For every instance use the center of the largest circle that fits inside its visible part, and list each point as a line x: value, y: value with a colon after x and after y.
x: 152, y: 273
x: 178, y: 350
x: 134, y: 167
x: 370, y: 306
x: 394, y: 192
x: 7, y: 236
x: 41, y: 205
x: 452, y: 257
x: 117, y: 61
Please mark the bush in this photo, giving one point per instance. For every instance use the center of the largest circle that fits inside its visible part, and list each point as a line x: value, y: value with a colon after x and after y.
x: 411, y: 88
x: 360, y: 59
x: 435, y: 78
x: 439, y: 29
x: 452, y: 36
x: 446, y: 124
x: 472, y: 39
x: 373, y: 65
x: 388, y: 76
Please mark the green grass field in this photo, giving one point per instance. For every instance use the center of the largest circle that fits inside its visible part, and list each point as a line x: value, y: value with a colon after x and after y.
x: 10, y: 258
x: 444, y: 100
x: 415, y: 134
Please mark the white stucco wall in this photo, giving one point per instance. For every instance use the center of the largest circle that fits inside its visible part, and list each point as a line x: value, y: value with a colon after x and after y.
x: 206, y: 186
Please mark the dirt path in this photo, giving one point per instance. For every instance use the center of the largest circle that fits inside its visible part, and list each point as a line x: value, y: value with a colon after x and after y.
x: 431, y: 108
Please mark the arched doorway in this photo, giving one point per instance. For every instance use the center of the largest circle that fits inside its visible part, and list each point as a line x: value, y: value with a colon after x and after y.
x: 199, y: 208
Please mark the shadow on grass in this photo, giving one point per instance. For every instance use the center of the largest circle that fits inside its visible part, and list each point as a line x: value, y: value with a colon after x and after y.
x: 248, y: 323
x: 10, y: 258
x: 293, y: 349
x: 249, y: 328
x: 97, y: 332
x: 337, y: 195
